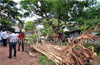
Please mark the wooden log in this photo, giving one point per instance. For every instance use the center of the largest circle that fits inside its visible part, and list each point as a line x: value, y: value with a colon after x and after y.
x: 74, y: 53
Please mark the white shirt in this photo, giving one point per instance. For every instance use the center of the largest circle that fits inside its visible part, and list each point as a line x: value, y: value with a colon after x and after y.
x: 0, y: 36
x: 13, y: 37
x: 4, y: 35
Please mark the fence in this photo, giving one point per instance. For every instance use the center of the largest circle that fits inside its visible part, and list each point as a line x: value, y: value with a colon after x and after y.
x: 46, y: 41
x: 19, y: 41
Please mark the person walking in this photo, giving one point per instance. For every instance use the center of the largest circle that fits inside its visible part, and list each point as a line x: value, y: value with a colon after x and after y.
x: 12, y: 43
x: 4, y: 38
x: 21, y: 41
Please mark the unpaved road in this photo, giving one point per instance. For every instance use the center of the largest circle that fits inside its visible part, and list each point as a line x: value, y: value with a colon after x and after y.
x: 22, y: 58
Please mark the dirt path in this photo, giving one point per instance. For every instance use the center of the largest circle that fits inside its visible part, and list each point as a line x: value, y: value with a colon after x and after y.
x: 22, y: 58
x: 96, y: 61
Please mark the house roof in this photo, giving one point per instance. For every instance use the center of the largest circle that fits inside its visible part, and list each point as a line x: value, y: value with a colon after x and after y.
x: 77, y: 30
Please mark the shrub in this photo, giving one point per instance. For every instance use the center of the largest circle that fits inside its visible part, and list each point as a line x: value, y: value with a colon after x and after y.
x: 96, y: 47
x: 43, y: 60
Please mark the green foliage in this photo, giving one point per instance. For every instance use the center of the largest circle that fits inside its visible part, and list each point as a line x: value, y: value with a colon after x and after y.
x: 10, y: 11
x: 46, y: 31
x: 9, y: 14
x: 58, y: 8
x: 96, y: 47
x: 90, y: 19
x: 20, y: 25
x: 32, y: 38
x: 33, y: 5
x: 51, y: 27
x: 78, y: 8
x: 5, y: 22
x: 97, y: 33
x: 93, y: 12
x: 54, y: 22
x: 47, y: 28
x: 30, y: 26
x: 43, y: 60
x: 85, y: 24
x: 10, y: 29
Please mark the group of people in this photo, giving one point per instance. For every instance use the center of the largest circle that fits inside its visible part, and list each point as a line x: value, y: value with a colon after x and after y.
x: 12, y: 38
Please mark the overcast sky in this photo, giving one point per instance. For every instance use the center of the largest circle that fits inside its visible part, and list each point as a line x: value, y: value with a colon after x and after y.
x: 28, y: 18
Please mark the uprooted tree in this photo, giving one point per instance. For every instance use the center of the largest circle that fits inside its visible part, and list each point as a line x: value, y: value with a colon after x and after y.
x: 74, y: 53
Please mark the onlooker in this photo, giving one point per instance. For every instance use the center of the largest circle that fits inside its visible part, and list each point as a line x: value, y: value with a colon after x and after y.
x: 4, y: 38
x: 12, y: 43
x: 17, y: 37
x: 0, y: 39
x: 21, y: 41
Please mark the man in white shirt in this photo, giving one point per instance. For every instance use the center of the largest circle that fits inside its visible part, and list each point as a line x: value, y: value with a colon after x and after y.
x: 4, y: 38
x: 0, y: 39
x: 13, y: 38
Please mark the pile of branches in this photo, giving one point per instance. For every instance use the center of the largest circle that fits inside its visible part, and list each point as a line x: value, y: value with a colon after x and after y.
x: 74, y: 53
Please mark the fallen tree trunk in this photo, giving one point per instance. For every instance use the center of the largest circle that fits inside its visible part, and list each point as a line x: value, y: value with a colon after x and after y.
x: 74, y: 53
x: 66, y: 56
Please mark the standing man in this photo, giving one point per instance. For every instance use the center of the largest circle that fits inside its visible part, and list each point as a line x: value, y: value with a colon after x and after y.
x: 4, y: 38
x: 0, y: 39
x: 12, y: 43
x: 21, y: 41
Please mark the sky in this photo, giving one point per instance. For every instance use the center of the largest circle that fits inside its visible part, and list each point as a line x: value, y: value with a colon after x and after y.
x: 35, y: 16
x: 98, y: 0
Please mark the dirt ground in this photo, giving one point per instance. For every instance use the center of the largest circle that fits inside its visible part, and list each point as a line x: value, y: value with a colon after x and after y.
x: 96, y: 61
x: 22, y: 58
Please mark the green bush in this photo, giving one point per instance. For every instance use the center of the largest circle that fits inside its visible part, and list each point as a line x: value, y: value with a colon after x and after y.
x: 96, y: 47
x: 32, y: 38
x: 43, y: 60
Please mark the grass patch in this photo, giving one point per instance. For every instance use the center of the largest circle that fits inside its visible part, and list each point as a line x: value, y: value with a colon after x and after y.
x: 43, y: 60
x: 98, y: 55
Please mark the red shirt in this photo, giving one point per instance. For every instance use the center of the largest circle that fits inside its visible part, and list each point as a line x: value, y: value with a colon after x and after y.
x: 52, y: 37
x: 21, y: 36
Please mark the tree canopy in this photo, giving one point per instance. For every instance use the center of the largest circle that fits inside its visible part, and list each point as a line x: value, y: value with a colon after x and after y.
x: 9, y: 12
x: 62, y: 10
x: 56, y: 8
x: 30, y: 26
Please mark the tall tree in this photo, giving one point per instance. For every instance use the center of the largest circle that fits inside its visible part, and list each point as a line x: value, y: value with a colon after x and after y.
x: 92, y: 17
x: 9, y: 11
x: 59, y: 9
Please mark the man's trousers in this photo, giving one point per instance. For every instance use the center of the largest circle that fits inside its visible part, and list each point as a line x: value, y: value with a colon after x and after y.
x: 12, y: 45
x: 21, y: 43
x: 4, y: 42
